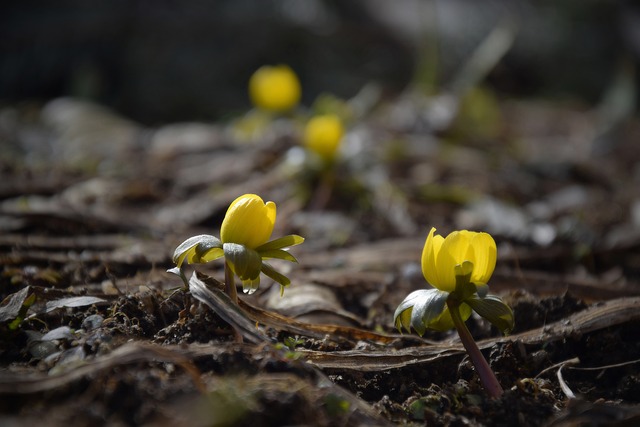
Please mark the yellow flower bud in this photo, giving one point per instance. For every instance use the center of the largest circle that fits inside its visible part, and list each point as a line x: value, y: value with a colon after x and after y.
x: 248, y: 221
x: 274, y: 88
x: 323, y: 134
x: 441, y: 257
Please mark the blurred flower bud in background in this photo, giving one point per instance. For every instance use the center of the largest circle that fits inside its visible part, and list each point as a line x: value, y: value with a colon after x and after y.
x: 275, y: 88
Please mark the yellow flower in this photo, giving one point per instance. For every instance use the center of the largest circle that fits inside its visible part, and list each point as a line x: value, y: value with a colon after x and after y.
x: 443, y: 258
x: 244, y: 243
x: 458, y: 267
x: 248, y: 221
x: 274, y: 88
x: 323, y: 134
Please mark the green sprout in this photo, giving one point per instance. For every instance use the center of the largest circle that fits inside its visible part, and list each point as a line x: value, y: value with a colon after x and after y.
x: 289, y: 345
x: 458, y: 267
x: 244, y: 244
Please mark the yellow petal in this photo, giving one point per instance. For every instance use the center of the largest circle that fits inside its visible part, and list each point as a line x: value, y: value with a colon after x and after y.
x: 485, y: 257
x: 180, y: 258
x: 465, y: 251
x: 248, y: 221
x: 455, y: 249
x: 429, y: 253
x: 274, y: 88
x: 212, y: 254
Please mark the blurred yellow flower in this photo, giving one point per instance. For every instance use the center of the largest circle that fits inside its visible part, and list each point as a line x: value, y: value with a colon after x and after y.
x: 445, y: 258
x: 323, y: 134
x: 275, y: 88
x: 249, y: 221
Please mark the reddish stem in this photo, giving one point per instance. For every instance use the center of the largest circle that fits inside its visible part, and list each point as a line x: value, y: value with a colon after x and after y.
x: 487, y: 377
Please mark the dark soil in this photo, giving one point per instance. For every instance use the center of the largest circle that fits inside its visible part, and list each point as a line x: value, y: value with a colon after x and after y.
x: 94, y: 331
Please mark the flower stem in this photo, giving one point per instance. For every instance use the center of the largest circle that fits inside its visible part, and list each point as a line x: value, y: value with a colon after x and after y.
x: 230, y: 289
x: 229, y: 283
x: 487, y: 377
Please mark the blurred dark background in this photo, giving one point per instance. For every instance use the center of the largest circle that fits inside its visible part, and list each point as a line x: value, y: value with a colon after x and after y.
x: 163, y: 61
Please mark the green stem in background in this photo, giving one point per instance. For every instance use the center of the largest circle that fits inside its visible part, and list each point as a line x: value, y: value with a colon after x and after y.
x: 487, y: 377
x: 229, y: 283
x: 324, y: 189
